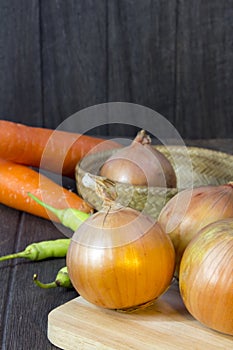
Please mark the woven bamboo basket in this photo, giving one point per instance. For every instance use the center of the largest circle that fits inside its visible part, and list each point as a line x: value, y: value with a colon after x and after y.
x: 194, y: 167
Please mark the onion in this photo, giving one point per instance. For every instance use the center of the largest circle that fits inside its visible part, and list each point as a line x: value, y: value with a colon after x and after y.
x: 207, y: 204
x: 206, y: 276
x: 120, y: 258
x: 140, y: 164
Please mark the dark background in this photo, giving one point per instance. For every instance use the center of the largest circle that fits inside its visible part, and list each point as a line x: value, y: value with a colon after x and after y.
x: 58, y: 57
x: 176, y: 57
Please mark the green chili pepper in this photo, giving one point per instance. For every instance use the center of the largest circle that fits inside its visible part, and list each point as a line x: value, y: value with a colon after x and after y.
x: 42, y: 250
x: 69, y: 217
x: 62, y: 280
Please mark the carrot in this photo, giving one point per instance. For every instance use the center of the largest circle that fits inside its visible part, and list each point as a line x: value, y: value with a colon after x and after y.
x: 17, y: 180
x: 53, y: 150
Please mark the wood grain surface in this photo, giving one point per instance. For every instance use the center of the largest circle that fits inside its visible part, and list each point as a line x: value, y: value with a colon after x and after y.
x: 141, y: 55
x: 59, y: 57
x: 165, y: 325
x: 203, y: 68
x: 74, y: 57
x: 20, y: 61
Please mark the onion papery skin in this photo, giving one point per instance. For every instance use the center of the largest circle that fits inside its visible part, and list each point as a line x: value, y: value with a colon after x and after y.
x: 191, y: 210
x: 140, y: 164
x: 120, y: 275
x: 206, y: 276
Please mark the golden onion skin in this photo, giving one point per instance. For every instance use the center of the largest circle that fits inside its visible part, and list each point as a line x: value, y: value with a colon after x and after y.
x: 206, y: 276
x: 192, y: 209
x: 140, y: 164
x: 126, y: 275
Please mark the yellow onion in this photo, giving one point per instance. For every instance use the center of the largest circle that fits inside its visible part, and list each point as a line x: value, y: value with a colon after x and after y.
x: 140, y: 164
x: 206, y: 276
x: 207, y: 204
x: 119, y: 258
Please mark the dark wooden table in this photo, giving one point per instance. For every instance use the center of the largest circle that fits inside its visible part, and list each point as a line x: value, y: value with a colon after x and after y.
x: 24, y: 306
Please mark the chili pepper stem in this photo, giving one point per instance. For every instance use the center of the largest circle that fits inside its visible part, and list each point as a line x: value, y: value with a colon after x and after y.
x: 62, y: 280
x: 57, y: 212
x: 43, y: 285
x: 22, y: 254
x: 69, y: 217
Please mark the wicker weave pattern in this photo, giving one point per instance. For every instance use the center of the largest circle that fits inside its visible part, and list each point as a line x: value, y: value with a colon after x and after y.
x: 209, y: 167
x: 206, y: 167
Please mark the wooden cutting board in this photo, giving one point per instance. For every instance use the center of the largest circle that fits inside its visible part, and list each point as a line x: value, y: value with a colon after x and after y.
x: 163, y: 325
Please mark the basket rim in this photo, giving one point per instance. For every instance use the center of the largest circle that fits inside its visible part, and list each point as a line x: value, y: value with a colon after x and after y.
x: 196, y: 148
x: 174, y: 147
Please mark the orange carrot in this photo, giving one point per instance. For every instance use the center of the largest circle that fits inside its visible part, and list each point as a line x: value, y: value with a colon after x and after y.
x: 53, y: 150
x: 17, y: 180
